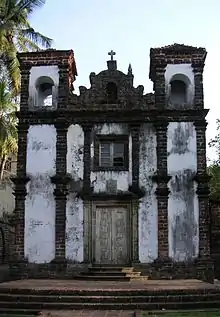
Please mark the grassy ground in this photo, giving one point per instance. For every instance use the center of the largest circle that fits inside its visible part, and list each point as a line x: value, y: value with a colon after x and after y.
x: 188, y: 314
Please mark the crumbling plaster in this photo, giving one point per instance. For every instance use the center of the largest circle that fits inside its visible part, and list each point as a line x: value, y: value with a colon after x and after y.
x: 148, y: 226
x: 40, y: 203
x: 183, y: 210
x: 74, y: 206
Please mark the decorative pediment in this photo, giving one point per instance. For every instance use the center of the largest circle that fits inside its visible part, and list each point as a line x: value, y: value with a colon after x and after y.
x: 111, y: 89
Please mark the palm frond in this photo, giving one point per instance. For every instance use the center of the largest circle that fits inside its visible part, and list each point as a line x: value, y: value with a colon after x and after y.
x: 37, y: 38
x: 30, y: 5
x: 26, y: 45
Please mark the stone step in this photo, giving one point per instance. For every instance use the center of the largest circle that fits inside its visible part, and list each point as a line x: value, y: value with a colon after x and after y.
x: 100, y: 291
x: 103, y: 278
x: 104, y: 273
x: 75, y: 313
x: 111, y: 273
x: 107, y: 299
x: 18, y: 312
x: 111, y: 268
x: 110, y: 306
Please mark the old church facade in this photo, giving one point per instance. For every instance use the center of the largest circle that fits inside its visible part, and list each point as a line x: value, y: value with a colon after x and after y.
x: 112, y: 175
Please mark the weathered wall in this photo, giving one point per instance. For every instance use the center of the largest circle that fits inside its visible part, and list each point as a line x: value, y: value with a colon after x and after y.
x: 74, y: 208
x: 183, y: 211
x: 148, y: 227
x: 122, y: 179
x: 40, y: 202
x: 7, y: 198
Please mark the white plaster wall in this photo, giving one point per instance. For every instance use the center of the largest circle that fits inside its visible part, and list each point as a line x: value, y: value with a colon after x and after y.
x: 124, y: 178
x: 183, y: 211
x: 148, y: 225
x: 180, y: 69
x: 40, y: 202
x: 74, y: 207
x: 37, y: 72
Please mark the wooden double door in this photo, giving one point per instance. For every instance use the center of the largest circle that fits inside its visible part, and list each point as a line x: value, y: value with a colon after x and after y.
x: 111, y: 235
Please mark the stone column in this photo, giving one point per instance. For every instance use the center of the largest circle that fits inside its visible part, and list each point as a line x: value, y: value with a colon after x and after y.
x: 204, y: 263
x: 60, y: 180
x: 162, y: 190
x: 198, y: 82
x: 20, y: 192
x: 87, y: 128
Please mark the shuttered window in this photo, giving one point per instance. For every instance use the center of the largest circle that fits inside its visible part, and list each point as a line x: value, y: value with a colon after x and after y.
x: 111, y: 153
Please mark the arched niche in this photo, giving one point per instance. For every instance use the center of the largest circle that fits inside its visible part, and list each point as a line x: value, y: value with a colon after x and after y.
x: 45, y: 92
x: 180, y: 92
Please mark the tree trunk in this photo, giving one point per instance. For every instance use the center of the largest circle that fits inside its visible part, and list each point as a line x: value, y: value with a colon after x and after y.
x: 2, y: 166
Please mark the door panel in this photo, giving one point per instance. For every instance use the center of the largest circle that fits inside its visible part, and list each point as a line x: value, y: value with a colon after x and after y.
x: 111, y: 235
x: 103, y: 236
x: 119, y: 235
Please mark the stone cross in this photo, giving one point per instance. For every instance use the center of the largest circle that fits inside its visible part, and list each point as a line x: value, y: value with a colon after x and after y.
x: 111, y: 53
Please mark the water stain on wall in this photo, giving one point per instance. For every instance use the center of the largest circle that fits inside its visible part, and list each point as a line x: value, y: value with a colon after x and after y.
x: 183, y: 200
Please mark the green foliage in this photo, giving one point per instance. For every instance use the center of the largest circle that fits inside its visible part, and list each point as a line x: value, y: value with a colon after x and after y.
x: 16, y: 34
x: 8, y: 125
x: 215, y: 143
x: 214, y: 169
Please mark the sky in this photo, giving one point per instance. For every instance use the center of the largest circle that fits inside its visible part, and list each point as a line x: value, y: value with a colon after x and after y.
x: 131, y: 27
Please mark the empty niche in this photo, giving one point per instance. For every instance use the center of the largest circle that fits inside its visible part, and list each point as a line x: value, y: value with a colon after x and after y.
x: 45, y: 95
x: 111, y: 92
x: 179, y: 91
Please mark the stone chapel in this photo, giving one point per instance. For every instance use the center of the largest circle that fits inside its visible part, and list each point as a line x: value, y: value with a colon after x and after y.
x: 112, y: 176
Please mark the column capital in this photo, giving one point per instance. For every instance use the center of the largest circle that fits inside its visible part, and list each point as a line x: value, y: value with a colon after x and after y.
x: 200, y: 124
x: 162, y: 192
x: 87, y: 127
x: 198, y: 67
x: 20, y: 180
x: 61, y: 178
x: 161, y: 125
x: 134, y: 127
x: 61, y: 126
x: 25, y: 69
x: 161, y: 178
x: 202, y: 178
x: 23, y: 127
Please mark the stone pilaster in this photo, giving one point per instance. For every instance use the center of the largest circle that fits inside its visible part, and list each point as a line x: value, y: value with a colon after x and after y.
x: 205, y: 269
x: 60, y: 180
x: 202, y: 180
x: 135, y: 132
x: 87, y: 128
x: 20, y: 191
x: 198, y: 82
x: 162, y: 190
x: 63, y: 89
x: 159, y: 86
x: 24, y: 95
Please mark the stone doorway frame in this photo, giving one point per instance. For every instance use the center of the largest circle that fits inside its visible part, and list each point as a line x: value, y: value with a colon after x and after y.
x: 90, y: 222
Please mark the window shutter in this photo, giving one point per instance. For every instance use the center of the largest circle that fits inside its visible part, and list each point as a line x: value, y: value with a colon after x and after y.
x: 105, y: 154
x: 118, y: 154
